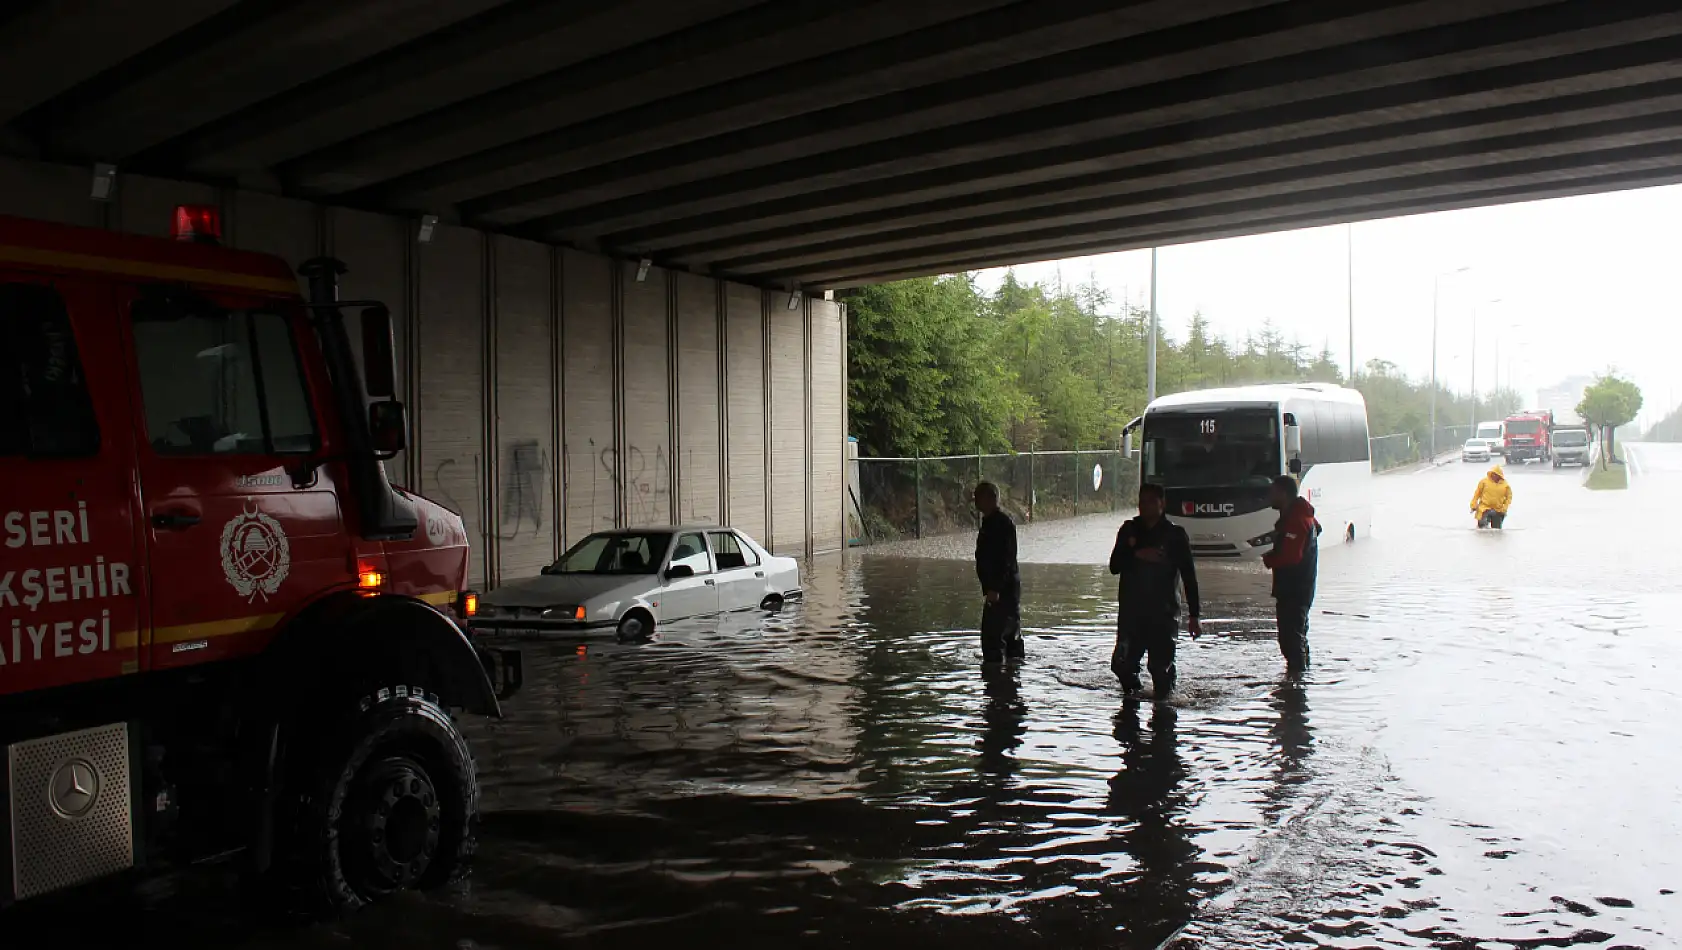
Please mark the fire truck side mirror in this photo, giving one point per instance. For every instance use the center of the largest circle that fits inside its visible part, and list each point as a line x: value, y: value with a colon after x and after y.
x: 379, y: 358
x: 388, y: 427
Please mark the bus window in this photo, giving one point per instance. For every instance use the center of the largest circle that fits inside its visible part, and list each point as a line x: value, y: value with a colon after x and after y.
x: 1363, y: 438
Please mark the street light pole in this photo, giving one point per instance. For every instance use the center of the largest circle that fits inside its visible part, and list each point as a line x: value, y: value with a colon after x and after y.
x: 1436, y: 301
x: 1150, y: 347
x: 1349, y: 260
x: 1490, y: 303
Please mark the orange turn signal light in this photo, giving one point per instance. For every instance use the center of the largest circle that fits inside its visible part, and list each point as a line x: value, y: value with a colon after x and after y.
x: 369, y: 579
x: 470, y: 604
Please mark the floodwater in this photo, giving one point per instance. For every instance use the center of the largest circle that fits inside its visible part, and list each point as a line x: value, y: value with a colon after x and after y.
x: 1484, y: 756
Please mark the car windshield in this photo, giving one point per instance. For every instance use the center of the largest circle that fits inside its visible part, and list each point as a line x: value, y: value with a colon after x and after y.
x: 1205, y: 448
x: 614, y: 553
x: 1571, y: 438
x: 1476, y: 444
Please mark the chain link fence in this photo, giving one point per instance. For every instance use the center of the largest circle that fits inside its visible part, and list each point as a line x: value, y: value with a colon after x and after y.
x: 1406, y: 448
x: 920, y: 497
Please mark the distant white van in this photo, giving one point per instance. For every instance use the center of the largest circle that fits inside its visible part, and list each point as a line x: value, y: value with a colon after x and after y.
x: 1494, y: 433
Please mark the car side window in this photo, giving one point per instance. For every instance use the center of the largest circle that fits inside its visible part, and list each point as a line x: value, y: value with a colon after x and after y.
x: 691, y: 552
x: 220, y: 382
x: 45, y: 409
x: 732, y: 552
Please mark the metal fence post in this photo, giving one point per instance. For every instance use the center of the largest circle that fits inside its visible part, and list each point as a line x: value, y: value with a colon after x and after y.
x: 917, y: 476
x: 1032, y: 497
x: 1076, y: 458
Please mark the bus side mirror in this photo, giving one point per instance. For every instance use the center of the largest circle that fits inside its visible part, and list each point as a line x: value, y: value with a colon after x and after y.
x: 379, y: 357
x: 1296, y: 467
x: 1127, y: 445
x: 1293, y: 440
x: 388, y: 427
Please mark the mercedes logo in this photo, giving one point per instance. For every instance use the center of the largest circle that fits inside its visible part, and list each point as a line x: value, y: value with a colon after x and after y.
x: 74, y: 788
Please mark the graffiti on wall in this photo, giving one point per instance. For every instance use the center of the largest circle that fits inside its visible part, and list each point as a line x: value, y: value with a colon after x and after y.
x: 526, y: 480
x: 646, y: 484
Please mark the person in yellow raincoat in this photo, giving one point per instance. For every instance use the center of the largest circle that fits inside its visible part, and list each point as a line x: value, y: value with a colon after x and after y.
x: 1491, y: 499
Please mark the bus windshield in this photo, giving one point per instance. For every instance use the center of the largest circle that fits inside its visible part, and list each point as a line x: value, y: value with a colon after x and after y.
x: 1196, y: 449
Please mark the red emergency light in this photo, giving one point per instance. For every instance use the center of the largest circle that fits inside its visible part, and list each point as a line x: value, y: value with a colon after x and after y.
x: 200, y: 224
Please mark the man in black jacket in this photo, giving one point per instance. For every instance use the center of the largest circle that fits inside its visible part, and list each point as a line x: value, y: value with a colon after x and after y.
x: 1151, y: 553
x: 1001, y: 582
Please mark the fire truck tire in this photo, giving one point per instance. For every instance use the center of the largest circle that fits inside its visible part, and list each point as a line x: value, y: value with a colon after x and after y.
x: 393, y: 804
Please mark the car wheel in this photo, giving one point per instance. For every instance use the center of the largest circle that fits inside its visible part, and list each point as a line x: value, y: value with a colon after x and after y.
x: 772, y: 602
x: 391, y: 802
x: 635, y: 625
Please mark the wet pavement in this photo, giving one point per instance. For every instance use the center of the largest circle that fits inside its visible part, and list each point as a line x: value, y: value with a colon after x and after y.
x: 1484, y: 756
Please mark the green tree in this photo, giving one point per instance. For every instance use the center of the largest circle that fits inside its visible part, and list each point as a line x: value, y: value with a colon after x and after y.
x: 1610, y: 402
x: 936, y: 368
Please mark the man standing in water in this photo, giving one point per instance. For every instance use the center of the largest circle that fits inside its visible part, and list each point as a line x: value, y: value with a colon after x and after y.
x: 1151, y: 553
x: 1001, y: 581
x: 1295, y: 561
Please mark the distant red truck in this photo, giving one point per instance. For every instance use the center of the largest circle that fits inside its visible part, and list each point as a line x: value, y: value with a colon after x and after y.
x: 1529, y: 435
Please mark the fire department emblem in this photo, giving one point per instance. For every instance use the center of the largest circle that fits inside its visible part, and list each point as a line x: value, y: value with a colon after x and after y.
x: 255, y: 554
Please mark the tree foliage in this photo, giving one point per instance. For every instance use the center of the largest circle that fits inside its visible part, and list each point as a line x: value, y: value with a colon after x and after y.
x: 1610, y: 402
x: 938, y: 367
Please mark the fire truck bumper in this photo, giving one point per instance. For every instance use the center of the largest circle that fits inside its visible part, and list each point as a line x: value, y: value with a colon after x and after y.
x: 504, y: 668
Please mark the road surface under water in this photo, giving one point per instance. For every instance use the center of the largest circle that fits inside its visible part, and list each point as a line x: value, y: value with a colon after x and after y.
x: 1484, y: 756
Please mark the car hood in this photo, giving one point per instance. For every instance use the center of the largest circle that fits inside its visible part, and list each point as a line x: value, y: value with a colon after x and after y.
x: 549, y: 590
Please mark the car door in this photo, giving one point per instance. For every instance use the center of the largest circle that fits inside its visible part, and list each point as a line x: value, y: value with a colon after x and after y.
x: 741, y: 578
x: 240, y: 502
x: 696, y: 594
x: 72, y: 587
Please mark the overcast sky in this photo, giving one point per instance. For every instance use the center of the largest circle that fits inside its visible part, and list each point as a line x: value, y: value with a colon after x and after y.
x: 1583, y: 284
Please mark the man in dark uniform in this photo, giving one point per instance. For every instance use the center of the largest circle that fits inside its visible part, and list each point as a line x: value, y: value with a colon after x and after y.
x: 1151, y: 553
x: 1001, y: 582
x: 1295, y: 562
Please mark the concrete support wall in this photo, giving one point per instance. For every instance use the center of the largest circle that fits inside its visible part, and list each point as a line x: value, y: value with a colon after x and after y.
x: 551, y: 392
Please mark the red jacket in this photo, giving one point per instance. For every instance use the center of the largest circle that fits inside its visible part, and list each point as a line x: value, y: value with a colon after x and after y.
x: 1296, y: 527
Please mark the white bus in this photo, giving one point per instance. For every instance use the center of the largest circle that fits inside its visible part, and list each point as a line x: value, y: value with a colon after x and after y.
x: 1215, y: 451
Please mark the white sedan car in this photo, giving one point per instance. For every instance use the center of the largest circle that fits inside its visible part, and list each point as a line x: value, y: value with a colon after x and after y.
x: 1475, y: 450
x: 636, y: 579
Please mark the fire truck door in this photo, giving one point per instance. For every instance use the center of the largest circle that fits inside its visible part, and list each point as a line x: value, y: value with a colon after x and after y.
x: 71, y: 587
x: 242, y: 513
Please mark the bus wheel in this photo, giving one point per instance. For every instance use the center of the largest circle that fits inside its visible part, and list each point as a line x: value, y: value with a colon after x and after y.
x: 393, y: 804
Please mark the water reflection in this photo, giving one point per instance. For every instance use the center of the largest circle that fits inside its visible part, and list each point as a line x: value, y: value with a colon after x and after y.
x: 1149, y: 794
x: 1005, y: 718
x: 846, y: 772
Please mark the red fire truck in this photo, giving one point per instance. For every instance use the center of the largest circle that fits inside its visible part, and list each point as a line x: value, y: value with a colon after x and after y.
x: 222, y: 629
x: 1529, y: 435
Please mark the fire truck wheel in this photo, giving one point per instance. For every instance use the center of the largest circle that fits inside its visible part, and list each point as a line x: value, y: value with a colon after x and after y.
x: 395, y: 801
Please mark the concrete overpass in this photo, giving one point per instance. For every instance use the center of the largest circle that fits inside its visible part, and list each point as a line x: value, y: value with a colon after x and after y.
x: 829, y: 144
x: 748, y: 147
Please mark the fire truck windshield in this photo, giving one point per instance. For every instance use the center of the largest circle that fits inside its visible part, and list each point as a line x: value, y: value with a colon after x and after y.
x: 1524, y: 426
